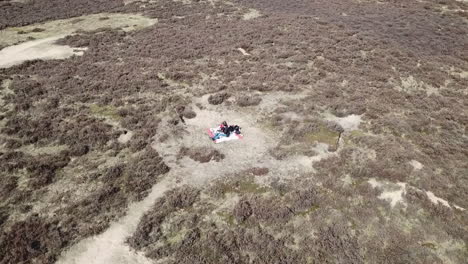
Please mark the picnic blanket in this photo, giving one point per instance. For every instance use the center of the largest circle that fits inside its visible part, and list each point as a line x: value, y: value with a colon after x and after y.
x: 218, y: 136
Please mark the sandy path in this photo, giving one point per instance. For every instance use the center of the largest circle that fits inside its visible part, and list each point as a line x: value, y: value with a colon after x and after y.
x: 42, y: 49
x: 110, y: 247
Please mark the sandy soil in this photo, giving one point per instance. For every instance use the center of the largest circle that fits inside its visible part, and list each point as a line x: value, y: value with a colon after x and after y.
x: 42, y: 49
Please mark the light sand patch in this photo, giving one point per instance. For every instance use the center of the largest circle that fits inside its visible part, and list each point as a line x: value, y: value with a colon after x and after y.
x: 245, y: 53
x: 253, y: 13
x: 322, y: 152
x: 374, y: 183
x: 447, y: 9
x: 391, y: 192
x: 185, y: 2
x: 6, y: 85
x: 394, y: 193
x: 416, y: 164
x: 125, y: 137
x: 272, y: 100
x: 46, y: 150
x: 65, y: 27
x: 42, y: 49
x: 305, y: 163
x: 5, y: 90
x: 411, y: 85
x: 395, y: 196
x: 464, y: 74
x: 347, y: 180
x: 434, y: 199
x: 348, y: 123
x: 458, y: 72
x: 127, y: 2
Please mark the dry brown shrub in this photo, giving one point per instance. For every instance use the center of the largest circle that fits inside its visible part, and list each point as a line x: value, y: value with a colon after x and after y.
x: 201, y: 155
x: 32, y: 240
x: 242, y: 211
x: 247, y: 100
x: 218, y: 98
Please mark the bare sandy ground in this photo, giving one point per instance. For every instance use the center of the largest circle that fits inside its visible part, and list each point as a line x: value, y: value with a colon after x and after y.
x: 65, y: 27
x: 44, y: 35
x: 394, y: 193
x: 41, y: 49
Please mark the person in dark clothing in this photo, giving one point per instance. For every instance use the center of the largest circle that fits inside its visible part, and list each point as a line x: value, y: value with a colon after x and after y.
x: 226, y: 129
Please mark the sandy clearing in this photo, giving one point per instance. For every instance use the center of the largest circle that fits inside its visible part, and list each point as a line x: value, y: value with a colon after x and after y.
x: 347, y: 180
x: 416, y: 165
x: 64, y: 27
x: 434, y: 199
x: 43, y: 46
x: 349, y: 123
x: 240, y: 155
x: 411, y: 85
x: 42, y: 49
x: 391, y: 192
x: 125, y: 137
x: 394, y: 193
x: 253, y: 13
x: 395, y: 196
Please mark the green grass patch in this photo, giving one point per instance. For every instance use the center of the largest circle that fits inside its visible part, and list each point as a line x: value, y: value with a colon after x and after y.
x: 323, y: 135
x: 269, y: 125
x: 308, y: 211
x: 175, y: 237
x: 105, y: 111
x: 348, y: 138
x: 227, y: 217
x: 244, y: 185
x: 430, y: 245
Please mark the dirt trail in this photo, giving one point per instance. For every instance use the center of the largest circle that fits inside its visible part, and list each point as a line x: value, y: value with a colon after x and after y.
x: 42, y: 49
x: 110, y: 247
